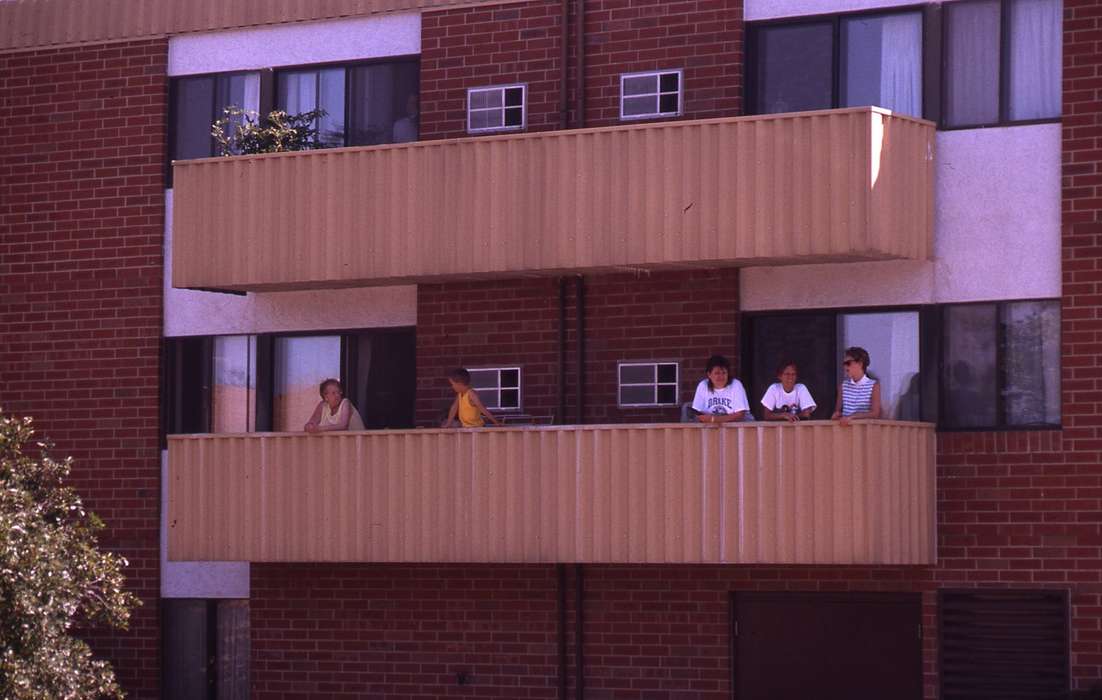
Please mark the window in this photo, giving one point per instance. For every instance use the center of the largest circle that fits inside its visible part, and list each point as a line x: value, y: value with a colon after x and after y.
x: 654, y: 94
x: 198, y: 101
x: 498, y: 387
x: 496, y: 108
x: 648, y: 383
x: 365, y: 104
x: 892, y: 341
x: 205, y: 647
x: 247, y: 383
x: 1002, y: 61
x: 846, y: 61
x: 1001, y: 365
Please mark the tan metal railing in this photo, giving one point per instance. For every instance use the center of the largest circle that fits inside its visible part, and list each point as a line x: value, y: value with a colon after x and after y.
x: 838, y: 185
x: 761, y: 493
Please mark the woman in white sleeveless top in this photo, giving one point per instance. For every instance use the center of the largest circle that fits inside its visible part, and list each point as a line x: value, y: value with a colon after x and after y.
x: 858, y: 394
x: 333, y: 412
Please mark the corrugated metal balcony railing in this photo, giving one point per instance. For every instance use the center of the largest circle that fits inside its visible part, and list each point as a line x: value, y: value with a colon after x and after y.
x: 838, y: 185
x: 762, y: 493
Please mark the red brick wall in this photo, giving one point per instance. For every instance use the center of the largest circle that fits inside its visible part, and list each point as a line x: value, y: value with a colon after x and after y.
x: 404, y: 631
x: 479, y: 47
x: 681, y: 316
x: 488, y: 324
x: 1070, y: 531
x: 657, y: 316
x: 81, y: 228
x: 702, y: 37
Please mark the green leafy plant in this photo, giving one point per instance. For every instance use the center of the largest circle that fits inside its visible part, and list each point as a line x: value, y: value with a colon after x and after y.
x: 244, y: 132
x: 52, y: 577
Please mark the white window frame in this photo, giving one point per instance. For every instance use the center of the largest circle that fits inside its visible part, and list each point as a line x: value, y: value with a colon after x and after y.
x: 501, y: 88
x: 498, y: 387
x: 658, y: 95
x: 655, y: 384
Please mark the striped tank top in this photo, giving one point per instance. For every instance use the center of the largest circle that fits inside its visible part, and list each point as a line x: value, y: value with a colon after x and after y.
x: 857, y: 396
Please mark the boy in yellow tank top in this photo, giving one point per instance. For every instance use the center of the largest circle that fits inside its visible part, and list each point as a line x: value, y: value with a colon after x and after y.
x: 467, y: 406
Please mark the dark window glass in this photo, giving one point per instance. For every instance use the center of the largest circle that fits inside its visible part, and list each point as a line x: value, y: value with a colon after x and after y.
x: 972, y: 63
x: 318, y: 88
x: 514, y: 97
x: 383, y: 103
x: 667, y: 394
x: 969, y: 366
x: 667, y: 373
x: 1031, y: 394
x: 667, y: 104
x: 882, y: 62
x: 637, y: 395
x: 668, y: 82
x: 510, y: 377
x: 510, y: 398
x: 194, y: 112
x: 794, y: 68
x: 199, y: 101
x: 514, y: 116
x: 636, y: 374
x: 1001, y: 365
x: 205, y: 645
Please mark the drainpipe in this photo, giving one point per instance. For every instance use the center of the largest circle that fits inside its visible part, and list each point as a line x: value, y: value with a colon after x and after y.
x: 561, y: 418
x: 564, y: 80
x: 561, y: 571
x: 579, y: 38
x: 579, y: 305
x: 579, y: 631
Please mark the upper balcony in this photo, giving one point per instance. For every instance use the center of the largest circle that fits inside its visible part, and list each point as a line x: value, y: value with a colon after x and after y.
x: 753, y: 493
x: 829, y: 186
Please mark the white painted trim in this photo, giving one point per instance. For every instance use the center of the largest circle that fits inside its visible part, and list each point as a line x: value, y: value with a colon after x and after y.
x: 756, y: 10
x: 295, y: 44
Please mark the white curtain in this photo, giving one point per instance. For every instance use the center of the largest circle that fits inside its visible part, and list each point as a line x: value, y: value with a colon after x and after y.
x: 901, y: 64
x: 1035, y: 58
x: 300, y: 92
x: 972, y: 76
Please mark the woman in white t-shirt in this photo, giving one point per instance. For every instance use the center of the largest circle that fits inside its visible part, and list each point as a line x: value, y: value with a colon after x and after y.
x: 787, y: 399
x: 719, y: 397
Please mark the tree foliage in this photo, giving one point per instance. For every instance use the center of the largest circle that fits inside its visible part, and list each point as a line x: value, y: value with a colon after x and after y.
x: 243, y: 132
x: 52, y: 577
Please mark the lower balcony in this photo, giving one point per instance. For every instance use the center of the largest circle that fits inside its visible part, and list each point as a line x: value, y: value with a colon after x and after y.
x: 759, y: 493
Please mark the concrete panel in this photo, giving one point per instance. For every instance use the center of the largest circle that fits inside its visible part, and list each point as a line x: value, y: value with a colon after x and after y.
x: 295, y: 44
x: 996, y: 234
x: 190, y: 312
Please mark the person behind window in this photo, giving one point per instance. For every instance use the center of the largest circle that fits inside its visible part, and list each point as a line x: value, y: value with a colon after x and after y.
x: 719, y: 397
x: 467, y: 406
x: 786, y: 399
x: 405, y: 129
x: 334, y: 412
x: 858, y: 394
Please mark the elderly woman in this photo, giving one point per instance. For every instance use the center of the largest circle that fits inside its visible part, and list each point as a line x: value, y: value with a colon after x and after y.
x: 334, y: 412
x: 858, y: 394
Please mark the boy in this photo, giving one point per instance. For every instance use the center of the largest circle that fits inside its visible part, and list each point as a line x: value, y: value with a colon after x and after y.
x: 467, y: 405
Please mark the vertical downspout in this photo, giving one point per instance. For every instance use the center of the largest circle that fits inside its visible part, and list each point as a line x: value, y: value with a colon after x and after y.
x: 561, y: 570
x: 579, y: 306
x: 579, y: 631
x: 564, y: 80
x: 579, y: 78
x: 561, y: 418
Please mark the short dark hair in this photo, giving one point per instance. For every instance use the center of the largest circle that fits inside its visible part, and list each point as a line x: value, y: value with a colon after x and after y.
x: 460, y: 375
x: 327, y: 382
x: 861, y: 355
x: 785, y: 364
x: 713, y: 362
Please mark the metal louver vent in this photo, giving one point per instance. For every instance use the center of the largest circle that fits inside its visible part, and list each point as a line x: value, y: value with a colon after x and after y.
x: 1006, y: 644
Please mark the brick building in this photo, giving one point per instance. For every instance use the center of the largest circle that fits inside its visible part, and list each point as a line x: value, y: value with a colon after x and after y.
x: 580, y: 202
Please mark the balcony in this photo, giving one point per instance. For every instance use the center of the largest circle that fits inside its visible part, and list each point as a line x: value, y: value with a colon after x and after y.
x: 838, y: 185
x: 759, y: 493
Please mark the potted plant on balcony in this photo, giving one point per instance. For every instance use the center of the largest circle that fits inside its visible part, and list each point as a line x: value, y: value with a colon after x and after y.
x: 244, y: 132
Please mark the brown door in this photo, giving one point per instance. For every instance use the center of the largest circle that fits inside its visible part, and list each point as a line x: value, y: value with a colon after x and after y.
x: 827, y: 645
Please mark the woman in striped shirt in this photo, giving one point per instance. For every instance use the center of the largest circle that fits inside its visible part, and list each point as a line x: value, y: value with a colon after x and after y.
x: 858, y: 394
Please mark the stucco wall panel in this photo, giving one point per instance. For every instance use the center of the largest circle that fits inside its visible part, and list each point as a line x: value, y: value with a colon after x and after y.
x: 996, y: 233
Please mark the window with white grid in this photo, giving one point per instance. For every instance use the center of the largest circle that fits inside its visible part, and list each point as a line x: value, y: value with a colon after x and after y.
x: 648, y: 383
x: 653, y: 94
x: 498, y: 387
x: 498, y: 108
